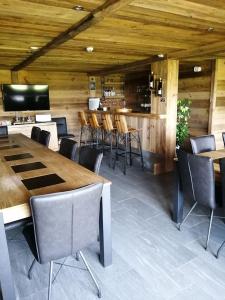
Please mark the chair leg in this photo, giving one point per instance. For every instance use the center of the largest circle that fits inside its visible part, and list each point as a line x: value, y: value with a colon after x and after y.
x: 188, y: 214
x: 220, y: 248
x: 31, y: 269
x: 209, y: 230
x: 91, y: 273
x: 50, y: 280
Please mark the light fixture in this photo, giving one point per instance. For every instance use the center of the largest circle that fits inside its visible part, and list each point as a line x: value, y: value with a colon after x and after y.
x: 89, y: 49
x: 210, y: 29
x: 160, y: 55
x: 34, y: 48
x: 197, y: 69
x: 19, y: 87
x: 78, y: 7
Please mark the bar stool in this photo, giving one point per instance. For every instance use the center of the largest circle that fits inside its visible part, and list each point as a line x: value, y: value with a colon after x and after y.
x: 85, y: 129
x: 124, y: 137
x: 96, y: 130
x: 109, y: 135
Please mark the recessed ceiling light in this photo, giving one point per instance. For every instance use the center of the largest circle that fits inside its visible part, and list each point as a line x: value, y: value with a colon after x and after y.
x: 34, y: 48
x: 78, y: 7
x: 197, y: 69
x: 160, y: 55
x: 210, y: 29
x: 89, y: 49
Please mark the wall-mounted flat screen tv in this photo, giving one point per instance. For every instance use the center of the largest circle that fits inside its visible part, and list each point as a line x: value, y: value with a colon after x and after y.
x: 22, y: 97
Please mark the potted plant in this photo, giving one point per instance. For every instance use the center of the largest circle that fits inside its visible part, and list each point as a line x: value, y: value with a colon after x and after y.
x: 183, y: 115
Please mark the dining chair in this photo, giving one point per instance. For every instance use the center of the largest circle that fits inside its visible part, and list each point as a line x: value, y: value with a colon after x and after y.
x: 61, y: 125
x: 44, y: 137
x: 203, y: 143
x: 63, y: 225
x: 68, y: 148
x: 3, y: 131
x: 35, y: 133
x: 200, y: 171
x: 90, y: 158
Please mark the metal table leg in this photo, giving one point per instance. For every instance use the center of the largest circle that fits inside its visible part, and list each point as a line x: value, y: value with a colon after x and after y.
x: 178, y: 202
x: 7, y: 289
x: 105, y: 233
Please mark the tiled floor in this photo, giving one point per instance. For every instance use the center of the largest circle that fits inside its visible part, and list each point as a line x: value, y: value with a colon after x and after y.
x: 152, y: 260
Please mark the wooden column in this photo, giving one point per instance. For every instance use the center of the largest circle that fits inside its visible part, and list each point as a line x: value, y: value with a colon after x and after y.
x: 167, y: 104
x: 217, y: 102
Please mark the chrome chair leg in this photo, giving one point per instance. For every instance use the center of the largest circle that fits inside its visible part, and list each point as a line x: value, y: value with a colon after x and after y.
x: 50, y: 280
x: 31, y: 269
x: 91, y: 273
x: 188, y: 214
x: 220, y: 248
x: 209, y: 230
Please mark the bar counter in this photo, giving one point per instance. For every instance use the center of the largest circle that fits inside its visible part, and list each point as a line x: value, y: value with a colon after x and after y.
x: 130, y: 114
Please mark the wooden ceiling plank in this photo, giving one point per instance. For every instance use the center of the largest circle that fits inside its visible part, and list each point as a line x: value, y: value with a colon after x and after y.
x: 92, y: 18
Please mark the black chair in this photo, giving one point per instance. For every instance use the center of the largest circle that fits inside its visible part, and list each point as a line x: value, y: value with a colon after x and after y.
x: 44, y: 137
x: 35, y: 133
x: 3, y: 131
x: 63, y: 225
x: 68, y: 148
x: 202, y: 185
x: 90, y: 158
x: 203, y: 143
x: 62, y: 128
x: 223, y: 136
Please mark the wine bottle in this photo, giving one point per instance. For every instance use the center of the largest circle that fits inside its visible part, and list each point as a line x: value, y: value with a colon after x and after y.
x: 151, y: 81
x: 159, y: 92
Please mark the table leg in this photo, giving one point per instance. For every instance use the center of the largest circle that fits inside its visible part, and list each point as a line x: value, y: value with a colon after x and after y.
x: 178, y: 202
x: 105, y: 233
x: 7, y: 289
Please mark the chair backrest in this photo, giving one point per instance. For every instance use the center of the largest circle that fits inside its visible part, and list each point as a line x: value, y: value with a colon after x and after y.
x: 66, y: 222
x: 35, y: 133
x: 223, y: 136
x: 61, y: 126
x: 44, y: 137
x: 94, y: 121
x: 185, y: 175
x: 203, y: 179
x: 68, y: 148
x: 3, y: 131
x: 90, y: 158
x: 121, y: 124
x: 203, y: 143
x: 107, y: 122
x: 82, y: 118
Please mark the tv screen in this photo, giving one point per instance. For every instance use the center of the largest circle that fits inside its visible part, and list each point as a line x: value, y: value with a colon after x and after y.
x: 22, y: 97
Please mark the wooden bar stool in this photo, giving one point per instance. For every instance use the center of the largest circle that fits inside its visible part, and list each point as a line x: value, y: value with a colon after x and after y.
x: 124, y: 137
x: 85, y: 129
x: 96, y: 129
x: 109, y: 135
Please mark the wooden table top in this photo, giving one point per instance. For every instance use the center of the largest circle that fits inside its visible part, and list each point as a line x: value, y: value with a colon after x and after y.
x: 217, y: 154
x: 14, y: 196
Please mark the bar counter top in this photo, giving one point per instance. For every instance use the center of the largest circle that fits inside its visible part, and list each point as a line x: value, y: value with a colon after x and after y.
x: 130, y: 114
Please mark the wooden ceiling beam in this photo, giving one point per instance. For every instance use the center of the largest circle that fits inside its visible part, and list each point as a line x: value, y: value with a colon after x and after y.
x: 89, y: 20
x: 126, y: 67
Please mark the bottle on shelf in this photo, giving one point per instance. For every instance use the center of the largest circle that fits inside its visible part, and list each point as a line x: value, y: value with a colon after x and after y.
x: 151, y: 81
x: 159, y: 90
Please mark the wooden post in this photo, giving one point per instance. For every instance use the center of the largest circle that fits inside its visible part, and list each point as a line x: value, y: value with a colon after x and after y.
x: 167, y: 104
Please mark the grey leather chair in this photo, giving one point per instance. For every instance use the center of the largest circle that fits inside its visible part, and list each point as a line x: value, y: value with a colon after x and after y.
x: 35, y: 133
x: 62, y: 128
x: 203, y: 143
x: 202, y: 185
x: 44, y: 138
x: 223, y: 136
x: 68, y: 148
x: 3, y: 131
x: 90, y: 158
x: 63, y: 225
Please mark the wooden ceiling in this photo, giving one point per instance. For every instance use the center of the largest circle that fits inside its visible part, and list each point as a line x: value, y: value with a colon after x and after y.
x: 121, y: 32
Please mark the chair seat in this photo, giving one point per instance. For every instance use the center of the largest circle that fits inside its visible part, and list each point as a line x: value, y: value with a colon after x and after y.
x: 68, y: 136
x: 28, y: 233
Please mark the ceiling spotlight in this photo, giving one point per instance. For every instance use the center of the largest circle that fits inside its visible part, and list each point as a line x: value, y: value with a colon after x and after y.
x: 197, y: 69
x: 78, y: 7
x: 160, y: 55
x: 89, y: 49
x: 34, y: 48
x: 210, y: 29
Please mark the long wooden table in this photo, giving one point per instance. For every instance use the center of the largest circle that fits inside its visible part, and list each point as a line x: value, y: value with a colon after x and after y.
x: 178, y: 202
x: 14, y: 196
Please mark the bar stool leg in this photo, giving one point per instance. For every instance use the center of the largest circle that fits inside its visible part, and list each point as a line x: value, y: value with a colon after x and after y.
x: 130, y: 152
x: 140, y: 149
x: 81, y: 133
x: 125, y: 154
